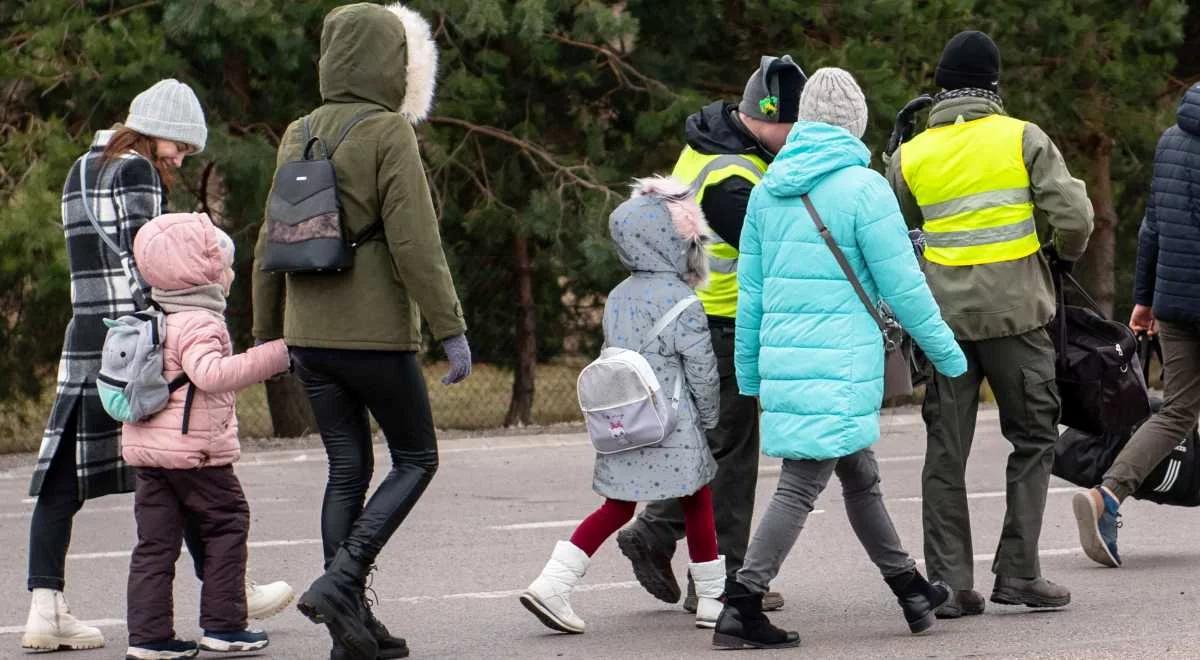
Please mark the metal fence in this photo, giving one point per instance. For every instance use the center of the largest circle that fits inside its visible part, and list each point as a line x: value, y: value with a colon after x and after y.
x: 480, y: 402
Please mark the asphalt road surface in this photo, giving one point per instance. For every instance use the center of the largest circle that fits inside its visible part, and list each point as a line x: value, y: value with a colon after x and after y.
x: 450, y: 578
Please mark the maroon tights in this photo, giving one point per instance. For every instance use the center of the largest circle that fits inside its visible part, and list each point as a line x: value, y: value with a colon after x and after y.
x: 613, y: 514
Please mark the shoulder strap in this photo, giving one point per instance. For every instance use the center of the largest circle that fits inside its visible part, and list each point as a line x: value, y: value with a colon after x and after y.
x: 667, y: 318
x: 845, y: 265
x: 346, y: 131
x: 91, y: 215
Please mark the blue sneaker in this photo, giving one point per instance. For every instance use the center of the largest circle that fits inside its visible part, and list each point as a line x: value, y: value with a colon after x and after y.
x: 237, y: 641
x: 169, y: 649
x: 1096, y: 511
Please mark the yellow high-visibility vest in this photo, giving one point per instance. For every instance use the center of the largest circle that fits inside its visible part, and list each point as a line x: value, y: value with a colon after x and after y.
x: 971, y: 183
x: 720, y: 295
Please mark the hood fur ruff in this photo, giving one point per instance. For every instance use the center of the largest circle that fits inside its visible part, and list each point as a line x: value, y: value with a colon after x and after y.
x: 687, y: 218
x: 421, y: 69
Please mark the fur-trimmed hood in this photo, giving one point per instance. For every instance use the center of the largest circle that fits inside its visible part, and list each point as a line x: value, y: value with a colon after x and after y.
x: 379, y: 54
x: 660, y: 228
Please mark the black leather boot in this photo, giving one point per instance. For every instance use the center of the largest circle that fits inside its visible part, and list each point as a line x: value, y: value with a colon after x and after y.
x: 742, y: 624
x: 336, y: 600
x: 918, y: 598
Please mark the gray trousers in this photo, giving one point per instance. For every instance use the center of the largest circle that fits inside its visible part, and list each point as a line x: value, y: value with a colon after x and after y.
x: 1156, y: 438
x: 1020, y: 371
x: 799, y: 485
x: 734, y: 445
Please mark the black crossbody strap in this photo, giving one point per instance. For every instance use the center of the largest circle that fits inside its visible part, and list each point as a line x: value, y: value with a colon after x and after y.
x: 846, y: 267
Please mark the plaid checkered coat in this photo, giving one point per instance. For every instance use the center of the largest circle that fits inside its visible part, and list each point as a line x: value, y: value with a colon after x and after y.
x: 124, y: 196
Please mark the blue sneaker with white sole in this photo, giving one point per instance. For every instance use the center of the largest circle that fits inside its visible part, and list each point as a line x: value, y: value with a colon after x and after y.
x: 1097, y: 513
x: 237, y: 641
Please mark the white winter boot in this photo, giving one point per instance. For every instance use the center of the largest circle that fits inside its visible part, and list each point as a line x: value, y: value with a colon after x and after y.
x: 51, y: 627
x: 264, y: 601
x: 549, y: 597
x: 710, y: 586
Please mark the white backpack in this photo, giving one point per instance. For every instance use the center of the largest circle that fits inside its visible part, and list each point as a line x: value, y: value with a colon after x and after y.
x: 621, y: 398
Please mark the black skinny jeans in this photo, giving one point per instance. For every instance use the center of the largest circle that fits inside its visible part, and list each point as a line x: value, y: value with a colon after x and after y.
x: 343, y: 386
x: 54, y: 515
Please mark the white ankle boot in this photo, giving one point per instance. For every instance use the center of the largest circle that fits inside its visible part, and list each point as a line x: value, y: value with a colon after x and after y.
x: 710, y: 586
x: 51, y: 627
x: 549, y: 597
x: 264, y: 601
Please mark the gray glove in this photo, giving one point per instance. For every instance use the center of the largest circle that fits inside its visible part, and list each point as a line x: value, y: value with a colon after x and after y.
x: 458, y: 351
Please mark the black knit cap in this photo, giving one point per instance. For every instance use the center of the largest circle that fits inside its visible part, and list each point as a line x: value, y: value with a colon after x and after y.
x: 971, y: 59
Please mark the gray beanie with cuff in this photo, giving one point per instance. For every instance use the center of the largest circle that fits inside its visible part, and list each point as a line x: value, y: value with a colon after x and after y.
x: 169, y: 110
x: 833, y: 97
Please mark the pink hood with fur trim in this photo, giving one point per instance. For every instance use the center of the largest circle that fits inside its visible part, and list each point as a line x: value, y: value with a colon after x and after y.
x: 182, y: 252
x: 662, y: 229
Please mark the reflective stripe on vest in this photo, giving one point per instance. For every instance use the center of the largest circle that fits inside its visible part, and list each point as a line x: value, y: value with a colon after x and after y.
x: 719, y: 296
x: 971, y: 183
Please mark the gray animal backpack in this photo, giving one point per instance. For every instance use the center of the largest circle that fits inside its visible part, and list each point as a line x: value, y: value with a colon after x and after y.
x: 622, y: 401
x: 131, y: 382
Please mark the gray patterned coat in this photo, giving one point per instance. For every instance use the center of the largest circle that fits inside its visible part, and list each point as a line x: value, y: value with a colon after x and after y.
x: 657, y: 235
x: 124, y: 196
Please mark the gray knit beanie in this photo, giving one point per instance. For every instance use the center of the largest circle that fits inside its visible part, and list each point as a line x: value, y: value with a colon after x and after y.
x: 169, y: 111
x: 773, y: 91
x: 833, y: 97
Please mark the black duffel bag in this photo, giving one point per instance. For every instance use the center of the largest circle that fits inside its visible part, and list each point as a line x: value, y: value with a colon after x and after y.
x: 1082, y: 458
x: 1099, y: 377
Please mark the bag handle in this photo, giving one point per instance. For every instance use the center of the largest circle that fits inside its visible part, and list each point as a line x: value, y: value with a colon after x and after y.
x: 840, y: 257
x: 1148, y: 347
x: 310, y: 139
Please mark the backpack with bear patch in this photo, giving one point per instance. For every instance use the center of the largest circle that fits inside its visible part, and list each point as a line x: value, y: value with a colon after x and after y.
x: 621, y: 399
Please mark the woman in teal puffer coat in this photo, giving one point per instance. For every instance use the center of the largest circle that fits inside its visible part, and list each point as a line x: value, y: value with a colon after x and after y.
x: 810, y: 350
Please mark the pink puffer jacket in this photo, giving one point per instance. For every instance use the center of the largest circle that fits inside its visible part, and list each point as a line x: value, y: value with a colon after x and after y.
x: 179, y: 252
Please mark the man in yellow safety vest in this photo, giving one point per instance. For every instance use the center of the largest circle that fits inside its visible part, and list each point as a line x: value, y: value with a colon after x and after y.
x: 979, y: 183
x: 728, y: 149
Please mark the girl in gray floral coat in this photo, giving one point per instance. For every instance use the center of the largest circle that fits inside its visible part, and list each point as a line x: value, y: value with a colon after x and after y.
x: 659, y: 234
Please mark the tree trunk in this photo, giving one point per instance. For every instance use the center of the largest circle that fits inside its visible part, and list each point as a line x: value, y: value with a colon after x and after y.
x: 291, y: 416
x: 520, y: 409
x: 1097, y: 270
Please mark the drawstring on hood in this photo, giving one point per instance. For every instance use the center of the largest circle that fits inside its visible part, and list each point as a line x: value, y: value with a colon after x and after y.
x: 381, y: 55
x: 661, y: 229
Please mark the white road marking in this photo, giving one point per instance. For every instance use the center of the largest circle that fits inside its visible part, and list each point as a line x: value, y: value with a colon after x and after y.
x: 559, y: 524
x: 991, y: 494
x: 1056, y: 552
x: 253, y: 544
x: 99, y: 623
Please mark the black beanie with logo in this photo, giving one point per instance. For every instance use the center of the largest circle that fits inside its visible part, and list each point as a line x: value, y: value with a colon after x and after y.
x: 971, y: 59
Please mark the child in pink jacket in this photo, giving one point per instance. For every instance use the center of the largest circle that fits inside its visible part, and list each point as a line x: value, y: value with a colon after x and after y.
x: 184, y: 454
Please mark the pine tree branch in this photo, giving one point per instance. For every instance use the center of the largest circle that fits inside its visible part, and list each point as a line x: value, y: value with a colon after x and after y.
x: 619, y: 66
x: 535, y: 152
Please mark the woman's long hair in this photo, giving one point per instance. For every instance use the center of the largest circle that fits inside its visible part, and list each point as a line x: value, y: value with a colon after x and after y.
x: 127, y: 139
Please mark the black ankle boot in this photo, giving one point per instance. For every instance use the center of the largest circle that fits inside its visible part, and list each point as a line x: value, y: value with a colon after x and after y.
x: 918, y: 598
x: 390, y: 646
x: 336, y: 600
x: 743, y: 625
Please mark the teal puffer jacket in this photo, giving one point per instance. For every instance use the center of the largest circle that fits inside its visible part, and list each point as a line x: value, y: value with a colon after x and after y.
x: 806, y: 345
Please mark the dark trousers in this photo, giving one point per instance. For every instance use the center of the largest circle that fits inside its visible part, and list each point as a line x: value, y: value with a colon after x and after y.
x: 54, y: 514
x: 1156, y: 439
x: 346, y: 388
x: 1020, y: 371
x: 734, y: 444
x: 163, y: 500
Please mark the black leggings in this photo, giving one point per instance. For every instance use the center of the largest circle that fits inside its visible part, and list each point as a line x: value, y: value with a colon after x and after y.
x: 54, y: 513
x: 343, y: 386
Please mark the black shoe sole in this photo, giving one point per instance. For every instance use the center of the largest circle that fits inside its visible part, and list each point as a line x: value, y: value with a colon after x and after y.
x: 1007, y: 597
x: 722, y: 642
x: 346, y: 628
x: 659, y: 582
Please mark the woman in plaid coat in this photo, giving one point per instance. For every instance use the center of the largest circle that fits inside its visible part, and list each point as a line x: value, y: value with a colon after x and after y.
x: 123, y: 177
